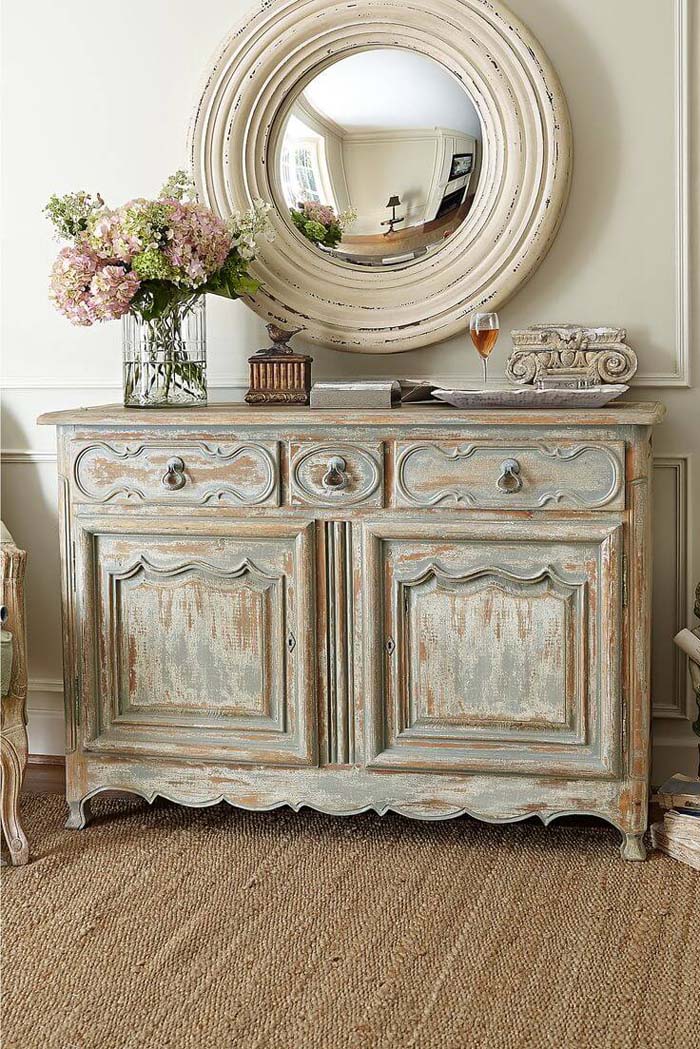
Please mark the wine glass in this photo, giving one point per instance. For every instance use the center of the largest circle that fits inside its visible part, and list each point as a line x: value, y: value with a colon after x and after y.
x: 483, y: 328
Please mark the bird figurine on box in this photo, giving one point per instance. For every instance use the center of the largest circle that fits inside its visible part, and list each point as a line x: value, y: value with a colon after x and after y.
x: 280, y: 337
x: 278, y: 375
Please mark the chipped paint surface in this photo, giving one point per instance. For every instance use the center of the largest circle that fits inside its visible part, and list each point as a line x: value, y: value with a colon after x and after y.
x: 369, y: 653
x: 211, y: 472
x: 577, y: 475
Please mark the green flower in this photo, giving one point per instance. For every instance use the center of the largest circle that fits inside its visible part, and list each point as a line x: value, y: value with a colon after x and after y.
x: 71, y: 212
x: 151, y: 264
x: 178, y: 187
x: 147, y: 220
x: 314, y: 230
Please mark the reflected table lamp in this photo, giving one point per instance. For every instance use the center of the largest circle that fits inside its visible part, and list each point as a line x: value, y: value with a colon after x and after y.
x: 392, y: 203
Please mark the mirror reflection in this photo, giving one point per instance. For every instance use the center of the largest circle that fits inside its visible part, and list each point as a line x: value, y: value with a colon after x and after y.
x: 378, y: 158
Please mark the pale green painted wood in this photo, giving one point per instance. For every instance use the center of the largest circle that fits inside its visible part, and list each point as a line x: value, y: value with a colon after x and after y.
x: 416, y: 640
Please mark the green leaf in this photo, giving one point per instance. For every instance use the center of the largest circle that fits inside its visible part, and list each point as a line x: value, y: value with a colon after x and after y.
x: 247, y: 285
x: 232, y: 280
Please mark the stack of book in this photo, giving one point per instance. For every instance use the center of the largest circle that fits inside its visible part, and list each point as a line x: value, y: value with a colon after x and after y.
x: 678, y: 834
x: 372, y: 393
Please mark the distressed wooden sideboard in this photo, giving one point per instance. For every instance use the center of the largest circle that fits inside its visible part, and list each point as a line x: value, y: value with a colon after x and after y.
x: 420, y: 610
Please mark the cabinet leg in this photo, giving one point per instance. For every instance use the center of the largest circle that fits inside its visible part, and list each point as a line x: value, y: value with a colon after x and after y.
x: 632, y: 847
x: 11, y: 786
x: 78, y: 815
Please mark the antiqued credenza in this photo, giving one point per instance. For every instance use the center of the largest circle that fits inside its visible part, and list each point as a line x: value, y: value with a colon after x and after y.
x: 420, y: 610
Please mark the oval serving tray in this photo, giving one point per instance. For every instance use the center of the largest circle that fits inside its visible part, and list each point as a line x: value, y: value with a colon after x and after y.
x: 529, y: 397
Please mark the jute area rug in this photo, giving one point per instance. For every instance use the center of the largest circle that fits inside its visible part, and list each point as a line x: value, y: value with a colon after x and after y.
x: 216, y: 928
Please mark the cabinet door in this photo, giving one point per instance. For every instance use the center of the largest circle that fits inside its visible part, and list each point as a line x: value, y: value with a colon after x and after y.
x: 494, y: 646
x: 197, y: 639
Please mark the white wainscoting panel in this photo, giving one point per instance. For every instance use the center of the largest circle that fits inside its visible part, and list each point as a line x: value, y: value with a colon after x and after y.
x: 669, y: 675
x: 681, y: 225
x: 46, y: 723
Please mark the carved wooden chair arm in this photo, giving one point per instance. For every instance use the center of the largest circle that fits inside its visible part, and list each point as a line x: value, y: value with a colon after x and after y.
x: 13, y: 733
x: 13, y: 563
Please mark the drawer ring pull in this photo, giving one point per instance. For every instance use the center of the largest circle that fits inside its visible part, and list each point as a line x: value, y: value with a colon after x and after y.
x: 335, y: 478
x: 510, y: 480
x: 174, y: 476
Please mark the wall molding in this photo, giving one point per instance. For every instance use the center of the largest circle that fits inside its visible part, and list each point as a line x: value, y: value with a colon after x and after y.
x: 241, y: 384
x: 39, y: 383
x: 26, y: 456
x: 46, y: 684
x: 681, y: 236
x: 677, y: 705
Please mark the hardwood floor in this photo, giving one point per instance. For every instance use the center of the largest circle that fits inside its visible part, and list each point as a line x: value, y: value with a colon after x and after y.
x: 44, y: 776
x: 425, y: 235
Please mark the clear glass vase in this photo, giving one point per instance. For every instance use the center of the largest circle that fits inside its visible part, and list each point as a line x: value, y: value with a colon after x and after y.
x: 165, y: 359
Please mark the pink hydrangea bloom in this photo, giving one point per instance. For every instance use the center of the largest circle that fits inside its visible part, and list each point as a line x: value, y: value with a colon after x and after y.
x: 179, y: 244
x: 322, y: 213
x: 69, y: 285
x: 109, y: 238
x: 85, y: 290
x: 198, y: 241
x: 111, y: 291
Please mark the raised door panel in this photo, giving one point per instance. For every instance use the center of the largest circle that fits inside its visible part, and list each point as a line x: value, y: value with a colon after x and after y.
x: 200, y: 644
x: 495, y: 647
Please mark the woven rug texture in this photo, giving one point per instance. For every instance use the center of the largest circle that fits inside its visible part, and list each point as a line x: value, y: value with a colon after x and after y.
x: 172, y: 928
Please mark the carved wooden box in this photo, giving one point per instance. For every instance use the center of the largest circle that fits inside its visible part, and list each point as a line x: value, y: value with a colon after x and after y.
x: 421, y: 610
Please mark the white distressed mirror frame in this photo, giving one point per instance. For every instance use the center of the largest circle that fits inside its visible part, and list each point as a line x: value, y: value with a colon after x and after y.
x: 520, y: 197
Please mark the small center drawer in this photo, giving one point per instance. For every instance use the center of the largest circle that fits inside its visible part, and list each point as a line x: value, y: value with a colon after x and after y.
x: 182, y: 473
x: 519, y: 476
x: 335, y: 474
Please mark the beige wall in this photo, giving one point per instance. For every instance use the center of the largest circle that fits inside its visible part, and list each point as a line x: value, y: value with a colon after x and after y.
x: 413, y: 164
x: 100, y: 97
x: 378, y: 166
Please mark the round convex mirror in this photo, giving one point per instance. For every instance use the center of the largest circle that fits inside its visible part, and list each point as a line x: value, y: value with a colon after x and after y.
x: 376, y: 158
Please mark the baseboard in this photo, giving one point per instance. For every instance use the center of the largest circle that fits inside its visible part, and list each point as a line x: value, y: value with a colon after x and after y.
x: 46, y: 759
x: 45, y: 716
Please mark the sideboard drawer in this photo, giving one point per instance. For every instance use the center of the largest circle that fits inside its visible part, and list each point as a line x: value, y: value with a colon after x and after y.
x: 336, y: 474
x: 178, y: 473
x: 526, y: 475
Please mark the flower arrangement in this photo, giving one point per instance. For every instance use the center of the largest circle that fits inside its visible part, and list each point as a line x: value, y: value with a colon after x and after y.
x: 320, y: 224
x: 153, y: 260
x: 148, y: 255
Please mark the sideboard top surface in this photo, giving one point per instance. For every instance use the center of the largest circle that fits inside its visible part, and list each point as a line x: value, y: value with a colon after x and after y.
x: 630, y: 413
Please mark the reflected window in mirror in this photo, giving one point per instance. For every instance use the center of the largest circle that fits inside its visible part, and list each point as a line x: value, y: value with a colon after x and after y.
x: 304, y: 169
x: 380, y: 124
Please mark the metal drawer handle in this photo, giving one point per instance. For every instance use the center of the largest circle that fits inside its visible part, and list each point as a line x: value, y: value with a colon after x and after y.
x: 510, y: 480
x: 336, y: 477
x: 174, y: 476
